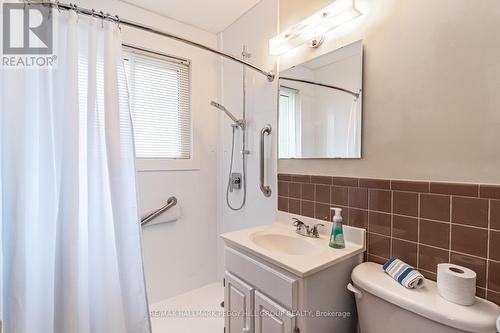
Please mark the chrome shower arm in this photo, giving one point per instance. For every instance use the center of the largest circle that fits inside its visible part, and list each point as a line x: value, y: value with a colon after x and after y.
x: 237, y: 121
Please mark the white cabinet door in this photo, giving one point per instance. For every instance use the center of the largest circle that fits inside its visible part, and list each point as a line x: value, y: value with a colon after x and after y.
x: 239, y: 305
x: 272, y: 317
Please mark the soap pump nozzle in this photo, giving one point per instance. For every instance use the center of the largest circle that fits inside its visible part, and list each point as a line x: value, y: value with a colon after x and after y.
x: 337, y: 217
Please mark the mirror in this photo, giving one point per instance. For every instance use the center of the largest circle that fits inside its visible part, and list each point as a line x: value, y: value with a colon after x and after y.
x: 320, y: 106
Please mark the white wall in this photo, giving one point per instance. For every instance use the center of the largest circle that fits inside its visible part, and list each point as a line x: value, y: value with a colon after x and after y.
x: 254, y: 29
x: 179, y: 256
x: 431, y: 82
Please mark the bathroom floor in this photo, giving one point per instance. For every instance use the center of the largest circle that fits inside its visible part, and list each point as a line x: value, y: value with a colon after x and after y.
x: 193, y: 312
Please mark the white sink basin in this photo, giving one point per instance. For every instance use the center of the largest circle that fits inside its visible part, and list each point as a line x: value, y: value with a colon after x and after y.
x: 278, y: 244
x: 284, y: 243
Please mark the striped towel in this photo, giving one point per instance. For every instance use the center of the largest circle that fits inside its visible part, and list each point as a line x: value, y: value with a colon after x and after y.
x: 406, y: 275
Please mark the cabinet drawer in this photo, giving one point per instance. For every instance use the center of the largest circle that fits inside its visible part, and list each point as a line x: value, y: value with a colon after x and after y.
x: 279, y: 285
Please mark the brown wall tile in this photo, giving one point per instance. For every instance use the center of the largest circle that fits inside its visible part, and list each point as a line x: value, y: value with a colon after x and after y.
x: 430, y: 257
x: 434, y: 233
x: 495, y: 214
x: 301, y: 178
x: 469, y: 190
x: 294, y: 206
x: 428, y: 275
x: 327, y: 180
x: 284, y: 176
x: 495, y: 245
x: 406, y: 251
x: 358, y: 218
x: 379, y: 245
x: 476, y: 264
x: 345, y: 181
x: 294, y: 190
x: 480, y: 292
x: 405, y: 203
x: 323, y: 193
x: 378, y: 260
x: 494, y: 275
x: 405, y: 227
x: 489, y: 191
x: 283, y: 204
x: 493, y: 297
x: 470, y: 211
x: 379, y: 223
x: 339, y: 195
x: 283, y: 189
x: 358, y: 197
x: 307, y: 208
x: 322, y: 211
x: 307, y: 192
x: 469, y: 240
x: 392, y: 216
x: 409, y: 186
x: 375, y: 183
x: 380, y: 200
x: 344, y: 213
x: 435, y: 207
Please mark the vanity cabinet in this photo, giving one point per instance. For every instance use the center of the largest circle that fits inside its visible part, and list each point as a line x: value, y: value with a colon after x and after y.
x: 271, y: 317
x: 261, y: 297
x: 238, y: 304
x: 247, y: 308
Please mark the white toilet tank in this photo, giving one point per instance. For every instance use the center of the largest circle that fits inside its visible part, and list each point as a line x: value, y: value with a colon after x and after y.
x: 384, y: 306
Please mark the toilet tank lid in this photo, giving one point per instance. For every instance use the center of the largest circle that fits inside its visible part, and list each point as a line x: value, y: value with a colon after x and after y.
x: 480, y: 317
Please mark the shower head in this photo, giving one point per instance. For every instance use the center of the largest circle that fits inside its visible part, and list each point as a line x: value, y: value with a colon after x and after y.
x: 221, y: 107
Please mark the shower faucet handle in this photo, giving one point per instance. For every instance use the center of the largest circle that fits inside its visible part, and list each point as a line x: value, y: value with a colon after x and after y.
x: 235, y: 181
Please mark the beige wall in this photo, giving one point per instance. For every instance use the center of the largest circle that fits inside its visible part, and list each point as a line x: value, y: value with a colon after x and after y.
x: 431, y: 89
x: 293, y: 11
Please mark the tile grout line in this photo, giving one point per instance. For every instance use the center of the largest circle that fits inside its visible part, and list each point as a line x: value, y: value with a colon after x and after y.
x: 428, y: 182
x: 488, y: 249
x: 396, y: 214
x: 392, y: 217
x: 435, y: 247
x: 451, y: 225
x: 402, y: 215
x: 418, y: 232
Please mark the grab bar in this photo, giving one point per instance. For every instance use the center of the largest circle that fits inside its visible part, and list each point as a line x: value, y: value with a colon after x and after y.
x: 171, y: 202
x: 266, y: 130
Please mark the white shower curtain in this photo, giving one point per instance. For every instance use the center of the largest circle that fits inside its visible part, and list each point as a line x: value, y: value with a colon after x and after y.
x: 71, y: 257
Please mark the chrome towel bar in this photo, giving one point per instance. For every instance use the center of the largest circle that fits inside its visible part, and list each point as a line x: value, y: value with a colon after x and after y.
x: 171, y: 202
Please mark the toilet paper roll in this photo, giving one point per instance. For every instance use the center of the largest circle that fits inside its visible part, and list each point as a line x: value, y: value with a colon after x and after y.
x: 456, y: 284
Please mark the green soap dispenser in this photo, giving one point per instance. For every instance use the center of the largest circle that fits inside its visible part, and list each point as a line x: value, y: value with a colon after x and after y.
x: 337, y: 236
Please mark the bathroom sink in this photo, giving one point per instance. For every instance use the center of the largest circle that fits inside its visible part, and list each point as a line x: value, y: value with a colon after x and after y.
x: 280, y: 245
x: 284, y: 243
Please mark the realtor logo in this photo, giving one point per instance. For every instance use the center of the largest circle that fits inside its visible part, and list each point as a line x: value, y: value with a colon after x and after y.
x: 27, y: 39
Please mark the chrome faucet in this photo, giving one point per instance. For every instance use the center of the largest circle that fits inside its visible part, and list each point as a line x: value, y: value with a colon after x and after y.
x: 305, y: 230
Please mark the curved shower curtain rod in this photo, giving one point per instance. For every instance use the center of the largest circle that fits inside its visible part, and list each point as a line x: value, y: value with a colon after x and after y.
x: 115, y: 18
x: 356, y: 95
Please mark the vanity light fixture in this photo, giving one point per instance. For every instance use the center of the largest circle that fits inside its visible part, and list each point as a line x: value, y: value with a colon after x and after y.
x: 315, y: 26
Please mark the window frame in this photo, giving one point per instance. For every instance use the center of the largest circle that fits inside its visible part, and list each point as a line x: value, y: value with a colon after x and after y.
x: 294, y: 97
x: 168, y: 164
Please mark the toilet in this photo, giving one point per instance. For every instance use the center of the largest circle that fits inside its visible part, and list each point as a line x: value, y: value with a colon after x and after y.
x: 384, y: 306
